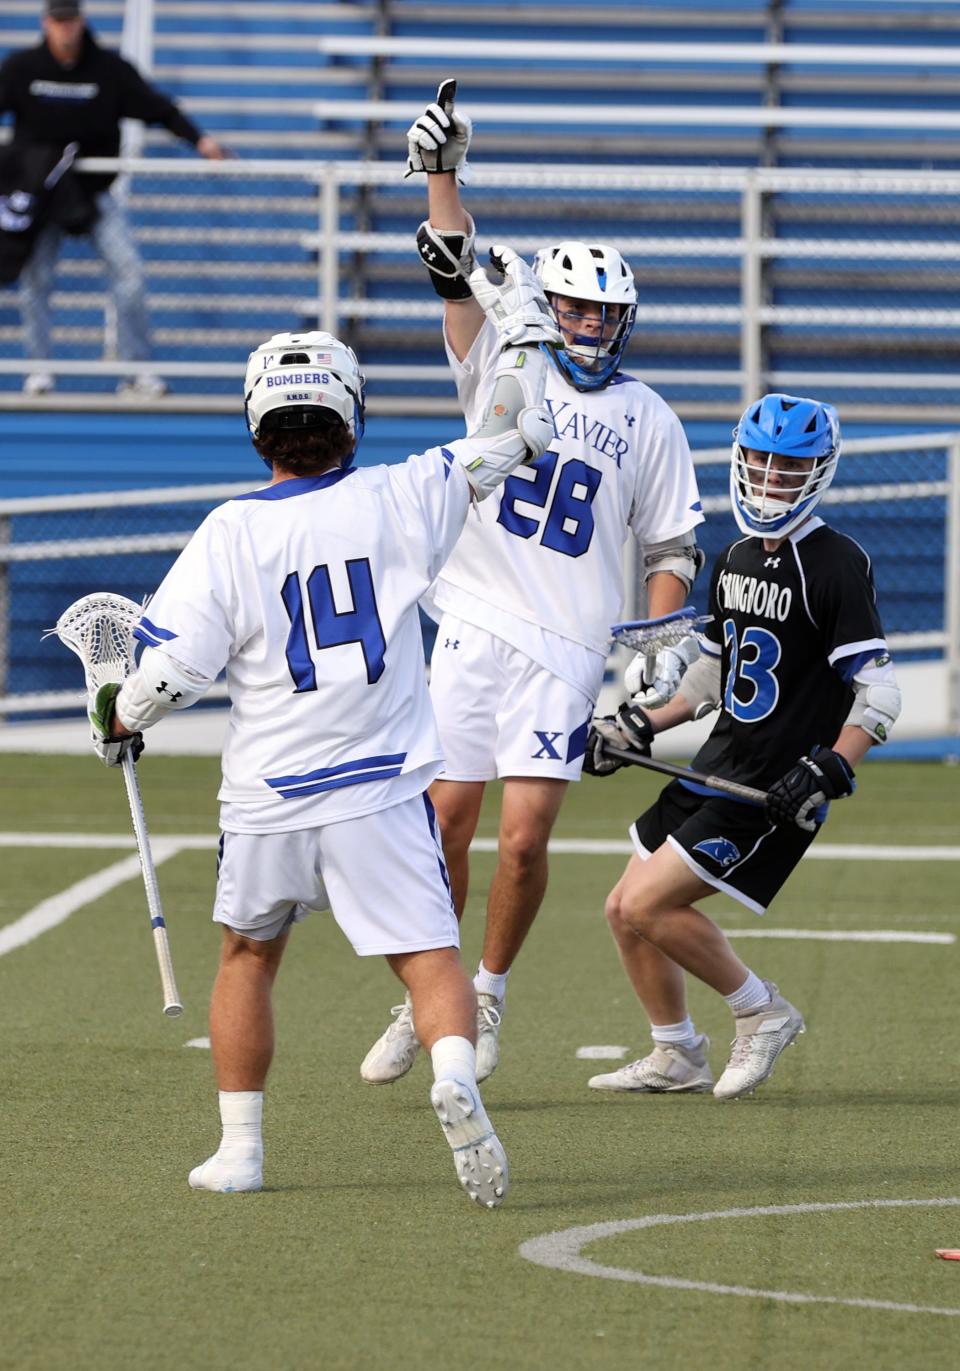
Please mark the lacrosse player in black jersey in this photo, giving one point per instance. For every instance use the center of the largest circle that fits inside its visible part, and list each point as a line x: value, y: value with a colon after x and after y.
x: 794, y: 656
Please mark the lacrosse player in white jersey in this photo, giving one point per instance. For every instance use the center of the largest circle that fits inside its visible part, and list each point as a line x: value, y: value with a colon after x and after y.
x: 526, y: 601
x: 306, y: 591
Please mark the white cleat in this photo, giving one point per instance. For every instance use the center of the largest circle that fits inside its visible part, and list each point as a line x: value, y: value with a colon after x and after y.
x: 761, y: 1037
x: 393, y: 1054
x: 229, y: 1173
x: 477, y: 1152
x: 668, y: 1069
x: 490, y: 1013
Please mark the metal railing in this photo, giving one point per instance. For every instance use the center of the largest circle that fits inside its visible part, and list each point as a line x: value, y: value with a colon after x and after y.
x: 749, y: 244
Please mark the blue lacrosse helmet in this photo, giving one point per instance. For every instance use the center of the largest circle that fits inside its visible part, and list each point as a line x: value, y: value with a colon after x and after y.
x: 788, y: 426
x: 595, y: 272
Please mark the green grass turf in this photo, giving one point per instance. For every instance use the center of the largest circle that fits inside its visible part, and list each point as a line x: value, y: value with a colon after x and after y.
x: 362, y: 1252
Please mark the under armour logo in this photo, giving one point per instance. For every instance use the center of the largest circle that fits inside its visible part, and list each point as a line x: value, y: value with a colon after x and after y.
x: 429, y: 255
x: 547, y: 749
x: 173, y: 694
x: 631, y: 420
x: 772, y: 561
x: 451, y: 642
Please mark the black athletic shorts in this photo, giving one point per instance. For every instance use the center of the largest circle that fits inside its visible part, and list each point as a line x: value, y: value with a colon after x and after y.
x: 730, y: 845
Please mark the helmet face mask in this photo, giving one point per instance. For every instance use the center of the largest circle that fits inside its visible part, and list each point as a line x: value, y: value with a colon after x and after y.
x: 302, y: 381
x: 785, y: 454
x: 574, y: 273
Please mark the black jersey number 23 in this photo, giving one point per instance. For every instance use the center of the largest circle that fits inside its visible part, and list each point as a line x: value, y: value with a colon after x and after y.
x: 752, y: 689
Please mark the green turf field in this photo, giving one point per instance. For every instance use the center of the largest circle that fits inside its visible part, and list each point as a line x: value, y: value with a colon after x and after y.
x: 362, y: 1252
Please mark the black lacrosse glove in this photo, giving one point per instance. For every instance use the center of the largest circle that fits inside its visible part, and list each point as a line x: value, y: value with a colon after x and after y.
x: 634, y: 724
x: 796, y: 797
x: 102, y: 712
x: 629, y: 728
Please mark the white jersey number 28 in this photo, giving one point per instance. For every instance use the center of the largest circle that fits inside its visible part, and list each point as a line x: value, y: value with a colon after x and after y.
x: 568, y: 527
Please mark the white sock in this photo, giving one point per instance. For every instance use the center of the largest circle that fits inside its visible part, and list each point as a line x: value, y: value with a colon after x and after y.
x: 490, y: 982
x: 241, y: 1113
x: 682, y: 1034
x: 455, y: 1058
x: 751, y: 996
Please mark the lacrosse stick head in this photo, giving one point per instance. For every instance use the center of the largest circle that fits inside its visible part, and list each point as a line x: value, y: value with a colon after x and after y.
x: 651, y: 635
x: 99, y: 629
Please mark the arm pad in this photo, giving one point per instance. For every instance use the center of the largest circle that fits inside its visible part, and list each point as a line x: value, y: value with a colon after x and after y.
x: 700, y: 686
x: 680, y: 556
x: 159, y: 685
x: 516, y: 426
x: 448, y: 255
x: 876, y: 701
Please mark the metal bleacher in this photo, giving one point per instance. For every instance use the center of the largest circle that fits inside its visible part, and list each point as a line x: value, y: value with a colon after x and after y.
x: 796, y: 88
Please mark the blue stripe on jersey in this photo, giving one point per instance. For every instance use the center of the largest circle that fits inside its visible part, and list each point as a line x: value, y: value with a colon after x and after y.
x: 391, y: 759
x: 297, y: 485
x: 338, y: 782
x: 847, y: 667
x: 163, y: 634
x: 696, y: 507
x: 448, y: 459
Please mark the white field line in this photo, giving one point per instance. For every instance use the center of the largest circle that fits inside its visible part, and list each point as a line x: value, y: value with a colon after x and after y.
x: 587, y: 847
x: 49, y: 913
x: 833, y: 935
x: 561, y: 1251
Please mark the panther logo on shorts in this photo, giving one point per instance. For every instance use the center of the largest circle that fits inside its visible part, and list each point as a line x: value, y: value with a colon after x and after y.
x: 720, y: 850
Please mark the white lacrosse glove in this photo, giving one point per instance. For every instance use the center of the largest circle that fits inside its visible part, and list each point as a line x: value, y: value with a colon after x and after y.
x: 652, y: 681
x: 438, y: 139
x: 517, y: 307
x: 101, y: 709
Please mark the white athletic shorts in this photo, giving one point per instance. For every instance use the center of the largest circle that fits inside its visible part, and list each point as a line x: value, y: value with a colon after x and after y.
x: 501, y: 714
x: 382, y: 876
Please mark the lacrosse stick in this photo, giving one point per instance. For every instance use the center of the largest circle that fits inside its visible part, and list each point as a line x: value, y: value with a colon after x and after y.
x: 99, y: 629
x: 734, y: 788
x: 649, y: 636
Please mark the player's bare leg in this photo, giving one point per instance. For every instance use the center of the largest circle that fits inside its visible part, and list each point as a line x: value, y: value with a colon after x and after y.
x: 241, y: 1038
x: 457, y: 805
x: 445, y: 1009
x: 658, y: 932
x: 528, y: 812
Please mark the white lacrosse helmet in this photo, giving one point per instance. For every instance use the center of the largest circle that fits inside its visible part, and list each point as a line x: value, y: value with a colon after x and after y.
x: 299, y: 378
x: 590, y: 271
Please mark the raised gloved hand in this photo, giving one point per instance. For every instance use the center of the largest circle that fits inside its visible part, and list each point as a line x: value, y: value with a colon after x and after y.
x: 438, y: 139
x: 652, y: 681
x: 516, y: 306
x: 796, y: 797
x: 101, y: 709
x: 629, y: 728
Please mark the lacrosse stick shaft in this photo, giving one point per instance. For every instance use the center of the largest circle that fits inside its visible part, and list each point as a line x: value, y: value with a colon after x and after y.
x: 171, y: 999
x: 741, y: 792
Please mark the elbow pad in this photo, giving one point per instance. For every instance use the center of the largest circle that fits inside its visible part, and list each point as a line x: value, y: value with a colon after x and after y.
x: 700, y: 686
x: 877, y: 700
x: 680, y: 556
x: 517, y: 427
x: 158, y: 686
x: 449, y: 257
x: 489, y: 461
